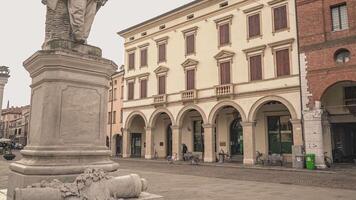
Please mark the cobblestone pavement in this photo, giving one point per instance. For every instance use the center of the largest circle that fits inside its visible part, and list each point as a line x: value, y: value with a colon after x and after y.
x: 181, y: 181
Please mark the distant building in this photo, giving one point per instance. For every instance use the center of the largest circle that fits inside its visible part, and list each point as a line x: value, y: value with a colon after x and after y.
x: 114, y: 128
x: 14, y: 124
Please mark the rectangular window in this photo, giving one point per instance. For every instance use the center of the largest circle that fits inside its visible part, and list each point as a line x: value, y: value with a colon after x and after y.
x: 350, y: 92
x: 280, y: 18
x: 115, y: 93
x: 280, y: 135
x: 256, y: 67
x: 114, y: 117
x: 110, y: 95
x: 190, y: 44
x: 162, y: 85
x: 121, y: 115
x: 254, y: 26
x: 339, y: 17
x: 162, y: 52
x: 224, y: 34
x: 283, y: 62
x: 143, y: 88
x: 198, y: 136
x: 143, y: 57
x: 131, y: 61
x: 130, y: 87
x: 109, y: 118
x: 122, y: 92
x: 190, y: 79
x: 225, y: 73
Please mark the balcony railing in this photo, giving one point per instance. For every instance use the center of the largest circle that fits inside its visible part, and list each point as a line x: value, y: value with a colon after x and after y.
x: 160, y: 99
x: 224, y: 90
x: 189, y: 95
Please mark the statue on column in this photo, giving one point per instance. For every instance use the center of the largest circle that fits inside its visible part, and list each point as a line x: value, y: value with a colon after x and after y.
x: 70, y: 20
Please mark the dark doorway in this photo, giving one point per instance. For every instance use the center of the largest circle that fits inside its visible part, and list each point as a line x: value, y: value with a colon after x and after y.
x: 136, y: 146
x: 118, y: 145
x: 236, y: 138
x: 344, y: 140
x: 169, y: 140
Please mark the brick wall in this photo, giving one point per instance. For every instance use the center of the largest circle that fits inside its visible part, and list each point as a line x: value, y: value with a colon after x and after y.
x: 318, y: 44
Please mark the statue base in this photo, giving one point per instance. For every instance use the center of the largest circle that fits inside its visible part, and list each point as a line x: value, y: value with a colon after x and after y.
x: 68, y: 117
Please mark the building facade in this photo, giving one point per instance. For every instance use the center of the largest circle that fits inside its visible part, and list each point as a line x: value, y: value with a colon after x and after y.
x: 328, y: 73
x: 14, y: 124
x: 114, y: 128
x: 215, y: 76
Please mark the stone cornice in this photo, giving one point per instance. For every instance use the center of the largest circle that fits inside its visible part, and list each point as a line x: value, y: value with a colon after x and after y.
x: 249, y: 10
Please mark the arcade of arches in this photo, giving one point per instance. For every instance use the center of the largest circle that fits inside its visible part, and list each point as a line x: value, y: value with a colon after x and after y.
x: 270, y: 125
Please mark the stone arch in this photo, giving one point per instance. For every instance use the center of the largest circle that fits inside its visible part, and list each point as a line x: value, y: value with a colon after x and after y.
x: 132, y: 115
x: 258, y: 104
x: 181, y: 113
x: 223, y: 104
x: 155, y: 115
x: 325, y: 87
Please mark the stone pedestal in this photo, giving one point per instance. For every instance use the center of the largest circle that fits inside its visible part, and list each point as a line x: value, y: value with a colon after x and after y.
x: 314, y: 135
x: 68, y: 117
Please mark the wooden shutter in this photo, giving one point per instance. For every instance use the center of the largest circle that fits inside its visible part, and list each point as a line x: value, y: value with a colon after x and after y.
x: 191, y: 79
x: 162, y: 52
x: 225, y: 73
x: 256, y: 67
x: 224, y: 34
x: 283, y: 63
x: 131, y: 60
x: 280, y: 18
x: 130, y: 90
x: 254, y: 26
x: 143, y: 57
x: 162, y: 85
x: 143, y: 88
x: 190, y: 44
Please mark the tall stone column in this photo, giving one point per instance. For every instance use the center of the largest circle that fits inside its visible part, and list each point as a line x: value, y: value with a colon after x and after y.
x: 177, y: 142
x: 68, y: 116
x: 297, y: 132
x: 4, y: 76
x: 314, y: 134
x: 249, y: 142
x: 209, y: 143
x: 126, y: 144
x: 149, y: 144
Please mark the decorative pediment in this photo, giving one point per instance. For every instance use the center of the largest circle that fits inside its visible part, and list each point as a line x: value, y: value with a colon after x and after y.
x: 224, y: 54
x: 190, y: 62
x: 161, y: 69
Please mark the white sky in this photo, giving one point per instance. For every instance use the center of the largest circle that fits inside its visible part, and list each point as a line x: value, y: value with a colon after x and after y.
x: 22, y: 34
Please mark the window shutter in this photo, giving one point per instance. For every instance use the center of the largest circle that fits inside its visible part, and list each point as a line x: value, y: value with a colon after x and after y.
x: 256, y: 67
x: 191, y: 79
x: 162, y: 52
x: 280, y: 18
x: 162, y: 85
x: 131, y: 60
x: 224, y: 34
x: 143, y: 88
x: 225, y: 73
x: 344, y: 17
x: 283, y: 63
x: 143, y: 57
x: 254, y: 25
x: 190, y: 40
x: 130, y: 90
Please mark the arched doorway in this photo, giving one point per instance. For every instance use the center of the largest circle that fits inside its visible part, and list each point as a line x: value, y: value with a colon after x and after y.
x: 134, y: 137
x: 339, y: 121
x: 118, y: 145
x: 236, y: 138
x: 169, y: 141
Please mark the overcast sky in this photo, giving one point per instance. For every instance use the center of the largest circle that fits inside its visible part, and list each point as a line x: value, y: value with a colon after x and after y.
x: 22, y: 34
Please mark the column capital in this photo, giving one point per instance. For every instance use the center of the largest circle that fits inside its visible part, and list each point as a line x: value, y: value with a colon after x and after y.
x: 296, y: 121
x: 175, y: 127
x: 208, y: 125
x: 148, y: 128
x: 248, y: 123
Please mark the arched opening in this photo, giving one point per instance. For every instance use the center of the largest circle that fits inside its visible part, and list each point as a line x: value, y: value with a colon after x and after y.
x: 162, y: 134
x: 137, y: 137
x: 118, y: 145
x: 339, y: 121
x: 274, y: 129
x: 228, y: 132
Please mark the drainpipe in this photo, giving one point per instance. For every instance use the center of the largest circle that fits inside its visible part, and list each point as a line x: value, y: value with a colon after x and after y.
x: 111, y: 112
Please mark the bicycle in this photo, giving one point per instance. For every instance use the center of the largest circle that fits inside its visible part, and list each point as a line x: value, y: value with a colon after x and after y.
x: 327, y: 160
x: 259, y: 158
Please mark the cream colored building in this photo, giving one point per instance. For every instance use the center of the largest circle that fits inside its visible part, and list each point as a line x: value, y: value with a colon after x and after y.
x: 213, y: 75
x: 114, y: 128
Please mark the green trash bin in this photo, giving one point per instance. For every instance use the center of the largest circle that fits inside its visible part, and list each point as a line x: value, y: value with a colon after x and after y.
x: 310, y: 161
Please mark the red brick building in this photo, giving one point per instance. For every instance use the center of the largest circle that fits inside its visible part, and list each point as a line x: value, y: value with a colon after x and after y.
x: 327, y: 46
